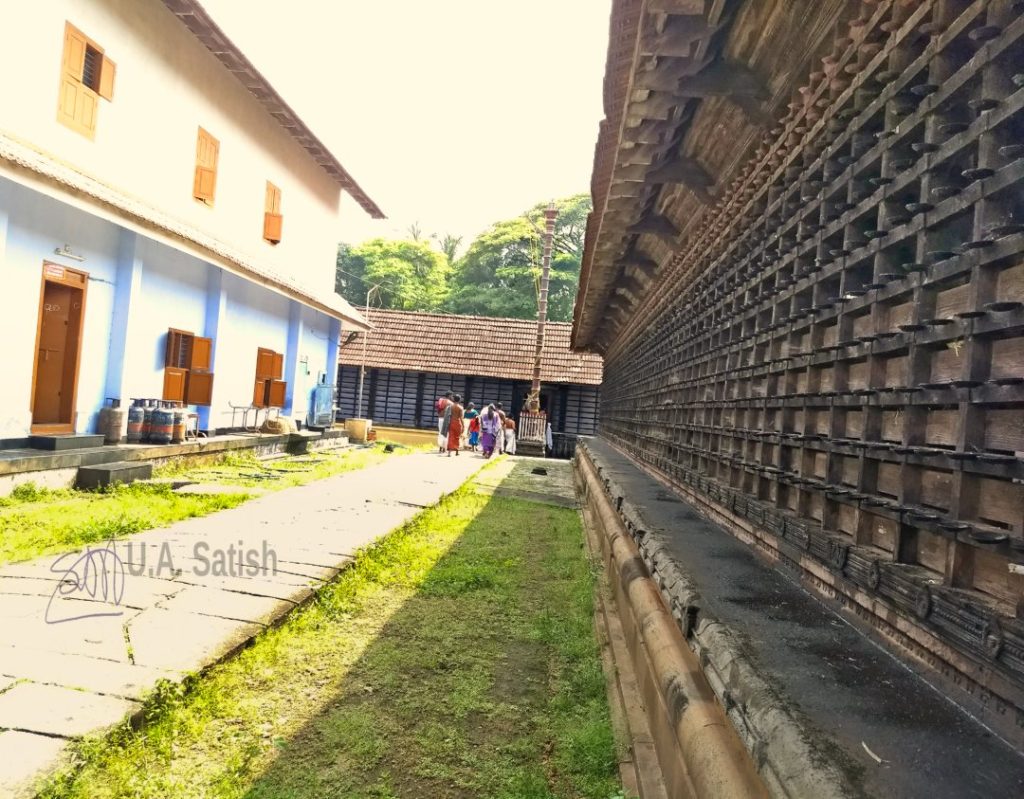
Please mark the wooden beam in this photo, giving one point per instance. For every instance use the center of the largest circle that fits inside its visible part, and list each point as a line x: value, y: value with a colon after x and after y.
x: 676, y: 6
x: 723, y: 79
x: 640, y: 262
x: 678, y: 36
x: 657, y: 226
x: 666, y: 75
x: 658, y: 105
x: 634, y: 173
x: 641, y: 154
x: 625, y: 189
x: 630, y: 288
x: 649, y: 131
x: 687, y: 171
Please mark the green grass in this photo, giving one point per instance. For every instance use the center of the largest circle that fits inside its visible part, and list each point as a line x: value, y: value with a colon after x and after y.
x: 455, y: 658
x: 37, y: 521
x: 243, y: 468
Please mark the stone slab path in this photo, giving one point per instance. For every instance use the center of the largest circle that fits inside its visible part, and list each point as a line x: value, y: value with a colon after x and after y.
x: 74, y: 663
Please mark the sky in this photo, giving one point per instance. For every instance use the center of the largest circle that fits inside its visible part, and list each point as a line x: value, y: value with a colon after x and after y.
x: 453, y: 114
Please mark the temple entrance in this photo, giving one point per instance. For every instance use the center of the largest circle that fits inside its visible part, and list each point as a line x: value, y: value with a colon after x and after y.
x: 58, y: 348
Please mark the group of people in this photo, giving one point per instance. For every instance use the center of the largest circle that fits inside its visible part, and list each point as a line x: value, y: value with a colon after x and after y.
x: 492, y: 430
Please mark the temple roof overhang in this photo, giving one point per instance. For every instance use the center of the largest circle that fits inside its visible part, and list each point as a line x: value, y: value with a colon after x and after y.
x: 697, y: 95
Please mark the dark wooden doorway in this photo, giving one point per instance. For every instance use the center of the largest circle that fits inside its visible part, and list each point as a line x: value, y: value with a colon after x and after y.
x: 58, y: 349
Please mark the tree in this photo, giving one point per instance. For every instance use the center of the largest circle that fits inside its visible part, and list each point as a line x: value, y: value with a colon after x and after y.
x: 499, y: 274
x: 449, y: 245
x: 411, y: 274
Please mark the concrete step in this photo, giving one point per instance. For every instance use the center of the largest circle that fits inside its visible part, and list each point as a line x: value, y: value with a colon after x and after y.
x: 109, y: 473
x: 63, y: 443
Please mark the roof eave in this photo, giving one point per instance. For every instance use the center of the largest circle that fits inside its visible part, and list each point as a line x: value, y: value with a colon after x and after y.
x: 194, y: 17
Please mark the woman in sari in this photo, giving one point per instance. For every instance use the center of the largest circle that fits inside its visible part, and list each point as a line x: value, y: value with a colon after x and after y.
x: 454, y: 422
x: 490, y: 427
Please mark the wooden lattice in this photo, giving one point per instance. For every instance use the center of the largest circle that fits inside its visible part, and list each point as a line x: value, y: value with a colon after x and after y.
x: 837, y: 357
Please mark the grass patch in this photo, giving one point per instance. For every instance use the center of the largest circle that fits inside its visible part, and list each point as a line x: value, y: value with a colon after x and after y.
x: 38, y: 521
x: 455, y: 658
x: 243, y: 468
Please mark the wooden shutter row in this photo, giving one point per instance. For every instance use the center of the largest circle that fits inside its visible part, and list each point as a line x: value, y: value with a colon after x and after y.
x: 187, y: 375
x: 78, y: 101
x: 272, y: 219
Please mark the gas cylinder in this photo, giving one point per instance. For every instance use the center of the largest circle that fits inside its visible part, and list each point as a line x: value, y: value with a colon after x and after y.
x: 162, y: 425
x: 111, y: 419
x: 136, y: 414
x: 178, y: 432
x: 147, y: 419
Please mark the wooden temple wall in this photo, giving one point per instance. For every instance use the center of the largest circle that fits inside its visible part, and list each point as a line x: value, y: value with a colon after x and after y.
x: 406, y: 398
x: 838, y: 360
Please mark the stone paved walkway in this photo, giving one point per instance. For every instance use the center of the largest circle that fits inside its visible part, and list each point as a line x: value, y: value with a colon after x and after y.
x: 74, y: 676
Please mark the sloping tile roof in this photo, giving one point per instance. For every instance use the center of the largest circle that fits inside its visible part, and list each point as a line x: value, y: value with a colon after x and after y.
x: 470, y: 345
x: 202, y: 26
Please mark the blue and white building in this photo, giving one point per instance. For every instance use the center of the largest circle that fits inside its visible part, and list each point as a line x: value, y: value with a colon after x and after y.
x: 168, y: 225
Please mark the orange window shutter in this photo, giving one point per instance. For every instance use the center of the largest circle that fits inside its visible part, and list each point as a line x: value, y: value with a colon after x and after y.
x: 272, y: 224
x: 264, y: 363
x: 200, y: 388
x: 85, y: 110
x: 174, y: 384
x: 74, y: 52
x: 205, y: 183
x: 202, y: 351
x: 278, y: 366
x: 276, y: 395
x: 259, y: 393
x: 68, y: 101
x: 75, y: 107
x: 108, y: 69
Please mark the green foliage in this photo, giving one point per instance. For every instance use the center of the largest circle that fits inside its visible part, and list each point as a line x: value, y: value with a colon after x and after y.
x: 500, y: 272
x: 498, y: 276
x: 412, y: 275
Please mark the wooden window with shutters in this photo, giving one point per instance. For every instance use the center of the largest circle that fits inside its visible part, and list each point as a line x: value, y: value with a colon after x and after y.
x: 204, y: 183
x: 187, y: 375
x: 269, y: 390
x: 272, y: 219
x: 86, y: 76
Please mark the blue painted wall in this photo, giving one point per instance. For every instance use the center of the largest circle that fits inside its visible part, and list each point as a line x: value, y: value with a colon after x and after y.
x: 138, y: 288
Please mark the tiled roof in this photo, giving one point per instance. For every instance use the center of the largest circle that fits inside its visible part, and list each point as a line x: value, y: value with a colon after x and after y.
x: 202, y: 26
x: 470, y: 345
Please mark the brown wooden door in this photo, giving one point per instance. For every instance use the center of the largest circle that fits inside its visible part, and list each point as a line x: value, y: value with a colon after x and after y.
x: 56, y: 373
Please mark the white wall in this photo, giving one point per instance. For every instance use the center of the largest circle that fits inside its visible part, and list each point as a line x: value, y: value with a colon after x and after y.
x: 167, y: 85
x: 36, y: 226
x: 174, y: 290
x: 173, y: 294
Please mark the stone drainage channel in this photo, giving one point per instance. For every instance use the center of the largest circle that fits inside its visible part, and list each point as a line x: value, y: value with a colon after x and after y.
x: 683, y: 743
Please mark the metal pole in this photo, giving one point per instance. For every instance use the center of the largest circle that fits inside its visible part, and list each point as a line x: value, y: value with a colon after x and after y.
x: 550, y: 214
x: 362, y: 368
